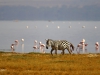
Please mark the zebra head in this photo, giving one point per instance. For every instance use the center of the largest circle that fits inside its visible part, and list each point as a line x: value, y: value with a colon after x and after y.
x: 48, y: 43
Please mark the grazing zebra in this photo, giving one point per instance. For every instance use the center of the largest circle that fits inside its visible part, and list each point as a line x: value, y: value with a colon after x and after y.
x: 59, y: 45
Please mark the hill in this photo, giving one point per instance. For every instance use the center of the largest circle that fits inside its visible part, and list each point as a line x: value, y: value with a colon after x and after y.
x: 86, y: 13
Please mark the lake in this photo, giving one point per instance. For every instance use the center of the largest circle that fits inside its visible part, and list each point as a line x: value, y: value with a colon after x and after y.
x: 72, y: 31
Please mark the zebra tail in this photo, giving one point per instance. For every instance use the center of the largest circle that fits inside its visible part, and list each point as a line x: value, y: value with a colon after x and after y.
x: 71, y: 45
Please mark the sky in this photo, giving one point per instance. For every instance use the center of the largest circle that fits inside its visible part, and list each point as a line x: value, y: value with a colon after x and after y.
x: 50, y: 3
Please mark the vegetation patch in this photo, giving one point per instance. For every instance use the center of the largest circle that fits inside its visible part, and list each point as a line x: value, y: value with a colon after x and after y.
x: 46, y: 64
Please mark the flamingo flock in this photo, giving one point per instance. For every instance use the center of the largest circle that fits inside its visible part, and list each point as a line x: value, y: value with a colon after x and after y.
x: 82, y: 46
x: 35, y: 46
x: 16, y: 42
x: 41, y: 46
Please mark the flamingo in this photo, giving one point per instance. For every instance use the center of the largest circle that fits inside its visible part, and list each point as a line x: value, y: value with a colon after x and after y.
x: 26, y: 26
x: 81, y: 46
x: 35, y: 45
x: 22, y: 40
x: 97, y: 46
x: 12, y: 47
x: 16, y: 42
x: 83, y: 26
x: 41, y: 47
x: 95, y: 27
x: 58, y: 27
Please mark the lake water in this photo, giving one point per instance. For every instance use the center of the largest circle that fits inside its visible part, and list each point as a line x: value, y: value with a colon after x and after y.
x: 38, y: 30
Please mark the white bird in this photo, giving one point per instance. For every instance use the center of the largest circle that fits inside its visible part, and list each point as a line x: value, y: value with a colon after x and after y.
x: 42, y: 46
x: 58, y: 27
x: 47, y: 26
x: 35, y: 45
x: 26, y: 26
x: 95, y: 27
x: 12, y: 47
x: 83, y: 26
x: 22, y: 40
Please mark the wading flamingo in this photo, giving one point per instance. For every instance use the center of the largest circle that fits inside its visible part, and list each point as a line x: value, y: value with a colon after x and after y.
x: 35, y: 45
x: 41, y: 47
x: 16, y: 42
x: 97, y: 46
x: 12, y: 47
x: 81, y: 46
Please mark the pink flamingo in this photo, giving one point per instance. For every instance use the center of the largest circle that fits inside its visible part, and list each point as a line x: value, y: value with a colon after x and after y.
x: 81, y: 46
x: 97, y: 46
x: 16, y: 42
x: 12, y: 47
x: 41, y: 47
x: 35, y: 45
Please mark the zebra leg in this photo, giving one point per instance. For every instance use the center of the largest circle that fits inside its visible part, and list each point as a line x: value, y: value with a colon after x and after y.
x: 63, y: 52
x: 56, y: 50
x: 68, y: 49
x: 51, y: 51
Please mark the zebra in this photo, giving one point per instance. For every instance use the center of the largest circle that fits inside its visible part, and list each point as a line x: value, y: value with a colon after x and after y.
x: 59, y: 45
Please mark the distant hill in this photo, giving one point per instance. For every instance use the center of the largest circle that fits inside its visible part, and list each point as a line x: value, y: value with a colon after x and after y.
x: 87, y: 13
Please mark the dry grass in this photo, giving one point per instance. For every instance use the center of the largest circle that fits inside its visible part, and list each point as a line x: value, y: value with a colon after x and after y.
x: 45, y: 64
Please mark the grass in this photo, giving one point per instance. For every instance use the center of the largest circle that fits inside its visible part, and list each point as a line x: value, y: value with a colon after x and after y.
x: 46, y: 64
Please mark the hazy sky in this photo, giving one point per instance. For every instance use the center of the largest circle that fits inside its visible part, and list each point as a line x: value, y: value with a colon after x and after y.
x: 50, y: 3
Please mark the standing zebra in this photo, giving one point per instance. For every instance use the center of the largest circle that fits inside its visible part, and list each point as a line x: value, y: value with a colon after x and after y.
x: 59, y: 45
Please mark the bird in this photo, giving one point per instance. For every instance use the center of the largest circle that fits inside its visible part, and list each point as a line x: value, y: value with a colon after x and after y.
x: 97, y: 46
x: 95, y: 27
x: 22, y: 40
x: 41, y: 47
x: 26, y: 26
x: 16, y: 42
x: 58, y: 27
x: 12, y: 47
x: 47, y: 26
x: 81, y: 46
x: 83, y: 26
x: 35, y: 45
